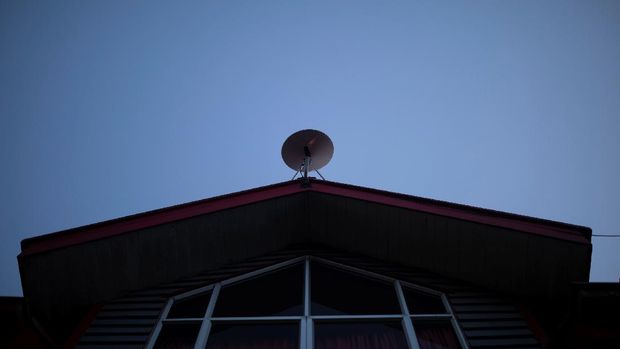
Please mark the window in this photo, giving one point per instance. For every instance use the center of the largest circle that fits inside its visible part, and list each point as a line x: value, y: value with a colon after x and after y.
x: 308, y: 303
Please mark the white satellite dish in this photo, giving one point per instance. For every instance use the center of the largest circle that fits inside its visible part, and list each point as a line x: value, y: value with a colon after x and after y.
x: 307, y: 150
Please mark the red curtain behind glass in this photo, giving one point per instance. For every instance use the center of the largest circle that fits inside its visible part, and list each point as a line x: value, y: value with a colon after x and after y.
x: 275, y: 344
x: 387, y: 340
x: 437, y: 338
x: 175, y: 343
x: 240, y: 344
x: 429, y: 338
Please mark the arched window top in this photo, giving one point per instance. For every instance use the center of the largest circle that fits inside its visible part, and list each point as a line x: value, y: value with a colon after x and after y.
x: 308, y: 302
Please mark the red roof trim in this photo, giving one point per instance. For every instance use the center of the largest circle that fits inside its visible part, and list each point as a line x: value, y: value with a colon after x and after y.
x: 152, y: 218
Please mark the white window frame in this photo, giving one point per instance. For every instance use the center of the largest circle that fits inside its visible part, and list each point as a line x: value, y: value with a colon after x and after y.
x: 306, y: 321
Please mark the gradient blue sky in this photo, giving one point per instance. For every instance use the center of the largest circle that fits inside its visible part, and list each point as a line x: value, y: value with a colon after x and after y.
x: 110, y: 108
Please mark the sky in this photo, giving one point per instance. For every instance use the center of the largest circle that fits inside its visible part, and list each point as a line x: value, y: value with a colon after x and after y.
x: 110, y: 108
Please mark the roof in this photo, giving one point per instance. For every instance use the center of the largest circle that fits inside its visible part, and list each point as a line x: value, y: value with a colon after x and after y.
x: 526, y: 224
x: 521, y: 256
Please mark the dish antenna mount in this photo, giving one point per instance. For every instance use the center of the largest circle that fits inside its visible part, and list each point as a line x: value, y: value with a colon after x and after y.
x: 307, y: 150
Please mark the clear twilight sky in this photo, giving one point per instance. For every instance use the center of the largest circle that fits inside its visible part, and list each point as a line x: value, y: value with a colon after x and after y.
x: 110, y: 108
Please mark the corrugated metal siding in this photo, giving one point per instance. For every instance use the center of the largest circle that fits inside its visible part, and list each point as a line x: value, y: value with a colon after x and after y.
x: 486, y: 319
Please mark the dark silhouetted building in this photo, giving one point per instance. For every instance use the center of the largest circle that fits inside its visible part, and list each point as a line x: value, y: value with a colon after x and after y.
x: 317, y: 264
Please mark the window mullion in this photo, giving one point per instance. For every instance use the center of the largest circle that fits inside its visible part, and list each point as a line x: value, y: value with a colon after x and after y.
x: 309, y: 333
x: 155, y: 334
x: 356, y: 317
x: 307, y: 337
x: 412, y: 340
x: 455, y: 326
x: 205, y: 328
x: 307, y: 287
x: 302, y: 333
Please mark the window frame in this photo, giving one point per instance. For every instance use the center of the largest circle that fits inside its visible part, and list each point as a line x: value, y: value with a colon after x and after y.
x: 306, y: 321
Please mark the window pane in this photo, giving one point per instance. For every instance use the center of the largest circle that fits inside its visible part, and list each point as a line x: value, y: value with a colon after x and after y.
x: 193, y: 307
x: 177, y: 336
x: 276, y: 293
x: 254, y: 336
x: 436, y: 335
x: 423, y: 303
x: 336, y: 292
x: 359, y: 335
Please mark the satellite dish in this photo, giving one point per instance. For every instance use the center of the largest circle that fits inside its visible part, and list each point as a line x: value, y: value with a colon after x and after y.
x: 307, y: 150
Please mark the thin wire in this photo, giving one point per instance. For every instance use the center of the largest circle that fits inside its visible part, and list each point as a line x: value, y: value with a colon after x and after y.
x: 607, y: 236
